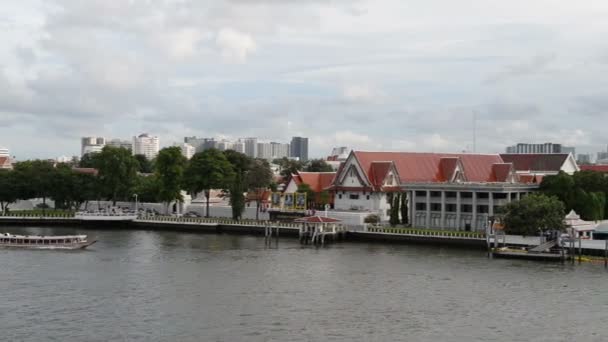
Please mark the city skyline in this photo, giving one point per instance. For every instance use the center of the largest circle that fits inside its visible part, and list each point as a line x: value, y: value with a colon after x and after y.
x: 374, y: 76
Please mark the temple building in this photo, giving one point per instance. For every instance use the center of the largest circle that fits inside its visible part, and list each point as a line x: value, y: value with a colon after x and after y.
x: 446, y: 191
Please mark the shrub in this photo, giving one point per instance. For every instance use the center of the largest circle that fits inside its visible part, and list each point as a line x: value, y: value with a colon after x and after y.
x: 372, y: 218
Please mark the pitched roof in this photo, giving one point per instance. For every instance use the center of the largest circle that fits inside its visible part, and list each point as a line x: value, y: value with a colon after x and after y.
x: 378, y: 172
x: 502, y: 171
x: 596, y: 168
x: 318, y: 181
x: 447, y: 167
x: 317, y: 219
x: 425, y: 167
x: 85, y: 170
x: 5, y: 162
x: 536, y: 162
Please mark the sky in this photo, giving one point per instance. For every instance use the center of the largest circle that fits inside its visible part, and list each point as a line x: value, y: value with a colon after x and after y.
x: 401, y: 75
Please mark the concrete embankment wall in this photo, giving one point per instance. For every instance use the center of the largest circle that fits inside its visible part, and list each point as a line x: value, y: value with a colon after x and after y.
x: 398, y: 238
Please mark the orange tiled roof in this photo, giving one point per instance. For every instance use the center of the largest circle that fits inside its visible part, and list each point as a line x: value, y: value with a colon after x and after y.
x: 427, y: 167
x: 596, y: 168
x: 318, y: 181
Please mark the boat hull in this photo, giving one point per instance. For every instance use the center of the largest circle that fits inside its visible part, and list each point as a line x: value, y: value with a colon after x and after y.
x: 70, y: 246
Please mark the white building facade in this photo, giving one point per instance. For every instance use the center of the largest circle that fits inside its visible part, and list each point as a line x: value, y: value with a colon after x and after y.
x: 444, y: 191
x: 146, y: 145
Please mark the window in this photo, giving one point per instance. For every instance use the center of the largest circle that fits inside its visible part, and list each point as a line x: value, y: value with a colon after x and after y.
x: 450, y: 194
x: 420, y: 193
x: 466, y: 194
x: 340, y: 196
x: 353, y: 196
x: 368, y: 197
x: 483, y: 195
x: 466, y: 208
x: 450, y: 207
x: 500, y: 195
x: 420, y: 206
x: 435, y: 193
x: 482, y: 209
x: 435, y: 206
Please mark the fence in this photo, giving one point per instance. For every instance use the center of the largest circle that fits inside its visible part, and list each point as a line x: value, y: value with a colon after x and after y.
x: 426, y: 232
x: 217, y: 220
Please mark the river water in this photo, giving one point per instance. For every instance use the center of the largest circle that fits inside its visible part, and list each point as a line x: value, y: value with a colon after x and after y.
x: 169, y: 286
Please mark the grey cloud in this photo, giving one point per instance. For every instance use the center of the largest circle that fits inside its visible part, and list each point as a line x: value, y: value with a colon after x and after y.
x: 535, y: 65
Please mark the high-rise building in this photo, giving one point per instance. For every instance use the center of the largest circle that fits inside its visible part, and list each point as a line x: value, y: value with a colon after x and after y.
x: 239, y: 146
x: 264, y: 151
x: 4, y: 152
x: 583, y: 159
x: 91, y: 145
x: 546, y: 148
x: 279, y: 150
x: 146, y: 145
x: 126, y: 144
x: 299, y: 148
x: 251, y: 147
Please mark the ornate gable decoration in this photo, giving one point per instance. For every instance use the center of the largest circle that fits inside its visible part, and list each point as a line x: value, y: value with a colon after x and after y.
x: 351, y: 175
x: 451, y: 170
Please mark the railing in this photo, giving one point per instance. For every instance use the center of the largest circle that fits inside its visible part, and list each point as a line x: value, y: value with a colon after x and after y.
x: 427, y: 232
x: 37, y: 214
x: 216, y: 220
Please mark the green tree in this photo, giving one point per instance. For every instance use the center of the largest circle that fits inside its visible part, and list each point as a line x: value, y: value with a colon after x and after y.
x: 9, y: 191
x: 236, y: 189
x: 318, y: 165
x: 404, y: 209
x: 170, y: 165
x: 237, y: 197
x: 394, y: 210
x: 117, y: 171
x: 561, y: 186
x: 533, y: 214
x: 86, y: 188
x: 35, y: 179
x: 288, y: 166
x: 144, y: 165
x: 208, y: 170
x: 62, y: 187
x: 324, y: 198
x: 258, y: 180
x: 88, y: 160
x: 147, y: 188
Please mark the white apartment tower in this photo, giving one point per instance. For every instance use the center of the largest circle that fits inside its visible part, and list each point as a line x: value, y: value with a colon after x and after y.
x: 146, y: 145
x: 91, y: 145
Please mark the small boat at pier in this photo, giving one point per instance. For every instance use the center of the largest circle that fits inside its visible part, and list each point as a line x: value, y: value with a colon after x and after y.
x: 44, y: 242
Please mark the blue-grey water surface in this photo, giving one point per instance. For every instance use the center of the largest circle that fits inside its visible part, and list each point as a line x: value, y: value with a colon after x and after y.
x: 171, y: 286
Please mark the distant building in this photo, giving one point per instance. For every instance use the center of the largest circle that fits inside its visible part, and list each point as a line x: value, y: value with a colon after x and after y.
x: 64, y: 159
x: 91, y: 145
x: 239, y: 146
x: 251, y: 147
x: 545, y: 148
x: 583, y: 159
x: 146, y: 145
x: 187, y: 150
x: 279, y: 150
x: 264, y: 151
x: 5, y: 159
x: 126, y: 144
x: 299, y: 148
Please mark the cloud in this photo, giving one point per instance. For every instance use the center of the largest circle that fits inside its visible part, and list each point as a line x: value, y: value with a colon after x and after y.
x: 372, y: 75
x: 235, y: 46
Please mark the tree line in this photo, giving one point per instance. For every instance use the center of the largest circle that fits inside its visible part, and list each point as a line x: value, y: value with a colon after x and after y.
x: 119, y: 176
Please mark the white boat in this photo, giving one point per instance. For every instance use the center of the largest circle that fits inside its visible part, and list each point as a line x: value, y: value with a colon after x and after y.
x: 44, y: 242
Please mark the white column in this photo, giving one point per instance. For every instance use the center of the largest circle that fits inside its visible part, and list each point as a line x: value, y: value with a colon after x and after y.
x: 490, y: 203
x: 474, y: 217
x: 458, y: 210
x: 428, y: 209
x: 413, y: 207
x: 518, y: 196
x: 443, y: 210
x: 508, y: 197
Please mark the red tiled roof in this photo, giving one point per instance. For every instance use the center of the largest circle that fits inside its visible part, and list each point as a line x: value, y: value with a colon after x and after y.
x: 536, y: 162
x: 317, y: 219
x: 502, y: 171
x: 378, y: 171
x: 596, y: 168
x: 447, y: 167
x: 425, y: 167
x: 318, y: 181
x: 5, y: 161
